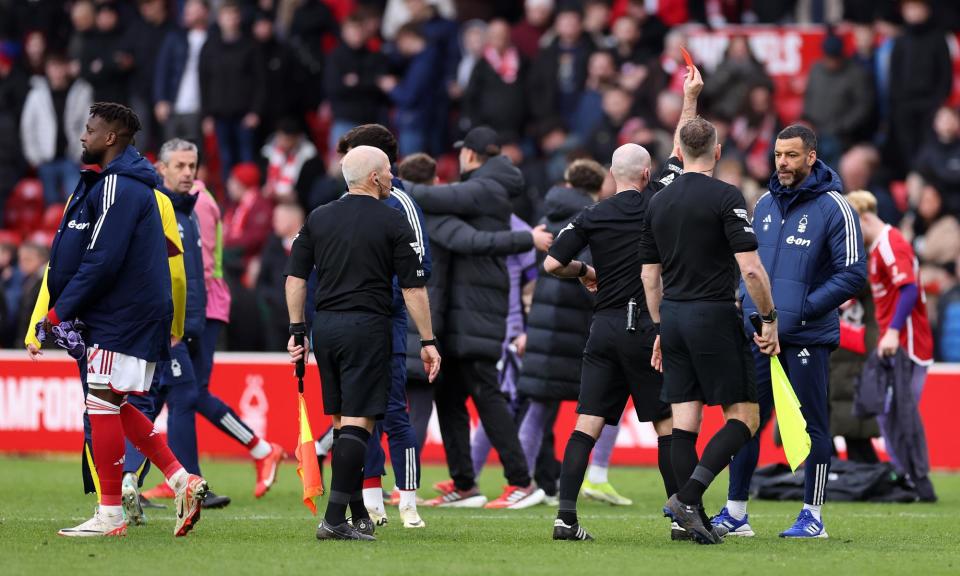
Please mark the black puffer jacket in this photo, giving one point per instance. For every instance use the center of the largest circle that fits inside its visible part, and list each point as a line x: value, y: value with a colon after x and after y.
x: 450, y: 236
x: 478, y: 287
x: 559, y: 319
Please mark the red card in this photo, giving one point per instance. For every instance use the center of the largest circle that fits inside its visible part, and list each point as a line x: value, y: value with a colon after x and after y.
x: 686, y: 56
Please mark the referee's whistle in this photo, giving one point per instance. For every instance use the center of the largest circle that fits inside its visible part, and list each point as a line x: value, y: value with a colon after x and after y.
x: 632, y: 315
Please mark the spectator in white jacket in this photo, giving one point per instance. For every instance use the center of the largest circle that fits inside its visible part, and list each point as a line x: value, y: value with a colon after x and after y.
x: 53, y: 119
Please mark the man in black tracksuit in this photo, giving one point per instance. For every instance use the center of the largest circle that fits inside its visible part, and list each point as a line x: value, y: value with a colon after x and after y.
x: 475, y: 325
x: 450, y: 237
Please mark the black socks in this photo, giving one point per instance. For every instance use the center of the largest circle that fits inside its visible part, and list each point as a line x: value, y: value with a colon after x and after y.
x: 575, y: 460
x: 716, y: 456
x: 665, y: 463
x: 683, y: 454
x: 349, y: 453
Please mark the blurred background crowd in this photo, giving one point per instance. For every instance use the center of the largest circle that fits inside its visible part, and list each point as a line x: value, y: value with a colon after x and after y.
x: 266, y: 87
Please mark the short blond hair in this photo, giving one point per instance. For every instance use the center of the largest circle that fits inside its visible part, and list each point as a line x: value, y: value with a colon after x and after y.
x: 862, y: 201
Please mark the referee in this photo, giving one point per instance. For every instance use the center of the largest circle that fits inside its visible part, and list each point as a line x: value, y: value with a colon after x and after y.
x: 696, y: 234
x: 357, y: 244
x: 622, y: 335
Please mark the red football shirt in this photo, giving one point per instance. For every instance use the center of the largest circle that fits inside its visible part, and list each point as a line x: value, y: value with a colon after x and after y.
x: 892, y: 265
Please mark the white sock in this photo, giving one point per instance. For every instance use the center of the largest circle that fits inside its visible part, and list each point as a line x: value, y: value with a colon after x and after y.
x: 178, y: 480
x: 373, y: 500
x: 737, y: 508
x: 112, y: 511
x: 261, y: 450
x: 597, y: 474
x: 815, y: 510
x: 408, y: 499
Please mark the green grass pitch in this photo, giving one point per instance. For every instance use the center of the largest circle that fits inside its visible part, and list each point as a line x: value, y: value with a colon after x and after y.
x: 276, y: 534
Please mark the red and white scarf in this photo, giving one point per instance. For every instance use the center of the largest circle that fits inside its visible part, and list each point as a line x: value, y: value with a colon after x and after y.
x: 506, y: 65
x: 283, y: 169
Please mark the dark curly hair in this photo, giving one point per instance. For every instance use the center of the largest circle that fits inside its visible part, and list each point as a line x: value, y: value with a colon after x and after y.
x: 117, y: 115
x: 375, y: 135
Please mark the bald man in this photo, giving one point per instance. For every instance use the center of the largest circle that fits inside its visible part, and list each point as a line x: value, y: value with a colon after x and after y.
x: 615, y: 361
x: 357, y: 245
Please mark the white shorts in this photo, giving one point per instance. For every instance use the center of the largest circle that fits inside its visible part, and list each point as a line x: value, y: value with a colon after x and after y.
x: 118, y: 372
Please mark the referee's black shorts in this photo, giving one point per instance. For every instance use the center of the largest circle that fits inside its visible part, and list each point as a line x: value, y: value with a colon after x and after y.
x: 706, y: 355
x: 616, y: 365
x: 353, y: 354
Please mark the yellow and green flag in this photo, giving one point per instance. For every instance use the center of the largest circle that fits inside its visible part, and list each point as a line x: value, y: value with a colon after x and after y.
x: 793, y: 426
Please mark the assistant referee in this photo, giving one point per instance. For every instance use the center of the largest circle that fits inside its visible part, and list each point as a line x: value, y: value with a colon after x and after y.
x: 697, y: 233
x: 357, y: 244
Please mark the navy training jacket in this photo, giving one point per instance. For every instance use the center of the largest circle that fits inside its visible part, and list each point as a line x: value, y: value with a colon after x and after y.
x: 402, y: 201
x: 108, y: 263
x: 811, y: 246
x: 189, y: 226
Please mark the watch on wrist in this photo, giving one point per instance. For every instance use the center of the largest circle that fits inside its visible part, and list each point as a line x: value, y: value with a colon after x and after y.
x: 769, y: 318
x: 656, y: 326
x: 430, y: 342
x: 583, y: 270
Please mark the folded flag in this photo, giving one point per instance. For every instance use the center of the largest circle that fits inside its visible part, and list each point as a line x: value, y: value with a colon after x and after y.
x: 790, y: 420
x: 307, y: 466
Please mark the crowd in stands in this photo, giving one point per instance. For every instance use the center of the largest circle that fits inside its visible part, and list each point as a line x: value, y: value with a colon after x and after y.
x: 267, y: 87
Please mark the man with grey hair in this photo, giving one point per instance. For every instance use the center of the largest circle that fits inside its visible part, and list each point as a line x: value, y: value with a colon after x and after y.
x: 184, y: 384
x: 615, y: 365
x: 357, y: 244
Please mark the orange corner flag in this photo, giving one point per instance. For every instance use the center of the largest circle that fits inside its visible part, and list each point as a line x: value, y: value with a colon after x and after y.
x: 307, y: 466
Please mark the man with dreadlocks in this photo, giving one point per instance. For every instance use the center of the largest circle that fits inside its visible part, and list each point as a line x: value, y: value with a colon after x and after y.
x: 110, y: 306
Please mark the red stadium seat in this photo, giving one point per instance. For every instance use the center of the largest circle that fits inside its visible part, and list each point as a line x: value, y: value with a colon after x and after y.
x: 448, y: 168
x: 9, y: 237
x: 52, y: 216
x: 24, y: 208
x: 43, y: 237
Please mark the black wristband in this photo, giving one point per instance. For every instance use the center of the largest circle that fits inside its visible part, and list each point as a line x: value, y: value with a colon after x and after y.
x: 583, y: 270
x: 656, y: 326
x: 298, y: 328
x: 430, y: 342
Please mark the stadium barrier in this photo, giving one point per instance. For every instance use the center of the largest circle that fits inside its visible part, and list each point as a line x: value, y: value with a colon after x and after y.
x: 41, y: 407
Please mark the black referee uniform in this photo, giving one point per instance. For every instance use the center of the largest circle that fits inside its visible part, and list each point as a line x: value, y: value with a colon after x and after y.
x: 616, y: 360
x: 693, y: 230
x: 357, y: 244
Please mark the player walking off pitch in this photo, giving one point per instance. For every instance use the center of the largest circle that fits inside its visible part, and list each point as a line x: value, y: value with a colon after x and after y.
x: 111, y: 306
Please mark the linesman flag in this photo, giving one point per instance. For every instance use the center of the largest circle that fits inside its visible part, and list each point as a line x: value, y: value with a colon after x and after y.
x: 793, y: 426
x: 307, y: 466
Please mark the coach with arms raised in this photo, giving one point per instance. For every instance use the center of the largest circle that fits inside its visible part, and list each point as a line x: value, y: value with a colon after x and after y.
x: 357, y: 244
